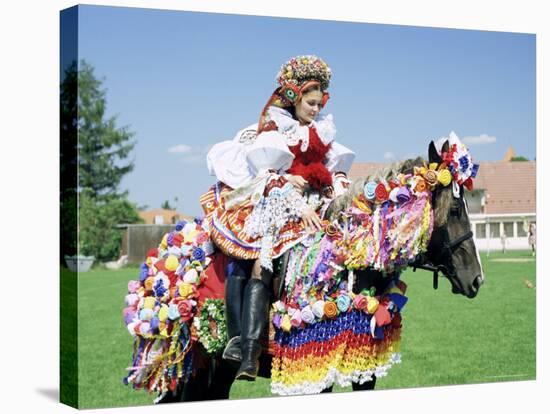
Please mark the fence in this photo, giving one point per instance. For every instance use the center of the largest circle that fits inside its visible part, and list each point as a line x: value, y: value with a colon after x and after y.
x: 139, y: 238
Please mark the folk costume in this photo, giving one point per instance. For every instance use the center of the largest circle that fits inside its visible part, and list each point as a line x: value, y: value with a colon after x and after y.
x: 254, y: 212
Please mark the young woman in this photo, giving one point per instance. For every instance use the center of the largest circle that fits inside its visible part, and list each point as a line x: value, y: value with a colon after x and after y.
x: 275, y: 181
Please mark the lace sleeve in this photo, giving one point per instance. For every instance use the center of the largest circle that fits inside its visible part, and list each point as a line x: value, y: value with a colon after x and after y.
x: 269, y: 152
x: 227, y: 160
x: 339, y: 158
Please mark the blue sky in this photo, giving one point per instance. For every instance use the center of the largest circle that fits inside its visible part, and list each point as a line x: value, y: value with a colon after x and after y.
x: 184, y: 81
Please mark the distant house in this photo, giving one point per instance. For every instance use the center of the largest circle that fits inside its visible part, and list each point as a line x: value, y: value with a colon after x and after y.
x: 503, y: 200
x: 163, y: 216
x: 507, y: 204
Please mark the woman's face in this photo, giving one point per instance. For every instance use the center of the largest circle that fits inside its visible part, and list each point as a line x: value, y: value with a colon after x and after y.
x: 309, y: 106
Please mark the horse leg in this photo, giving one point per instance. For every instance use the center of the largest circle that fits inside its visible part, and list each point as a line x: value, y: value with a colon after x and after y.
x: 191, y: 390
x: 222, y: 380
x: 171, y: 397
x: 195, y: 389
x: 368, y: 385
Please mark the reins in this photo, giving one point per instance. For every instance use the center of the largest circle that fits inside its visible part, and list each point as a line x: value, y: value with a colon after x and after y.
x: 422, y: 262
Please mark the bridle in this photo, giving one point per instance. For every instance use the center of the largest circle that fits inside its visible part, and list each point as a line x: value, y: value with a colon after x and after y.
x: 422, y: 262
x: 434, y: 263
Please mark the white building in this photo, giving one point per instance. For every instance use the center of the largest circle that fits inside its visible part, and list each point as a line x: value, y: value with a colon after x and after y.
x: 506, y: 191
x: 503, y: 201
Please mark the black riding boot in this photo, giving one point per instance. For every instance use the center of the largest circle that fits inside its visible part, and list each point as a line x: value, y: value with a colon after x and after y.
x: 254, y: 323
x: 234, y: 290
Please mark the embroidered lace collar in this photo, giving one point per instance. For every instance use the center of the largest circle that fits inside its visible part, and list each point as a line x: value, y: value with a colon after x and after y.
x: 294, y: 132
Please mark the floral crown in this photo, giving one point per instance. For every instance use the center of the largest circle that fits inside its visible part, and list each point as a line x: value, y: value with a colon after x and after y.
x: 299, y: 73
x: 303, y: 68
x: 294, y: 77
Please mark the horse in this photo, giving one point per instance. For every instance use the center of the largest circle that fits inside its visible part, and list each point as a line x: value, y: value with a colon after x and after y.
x: 451, y: 251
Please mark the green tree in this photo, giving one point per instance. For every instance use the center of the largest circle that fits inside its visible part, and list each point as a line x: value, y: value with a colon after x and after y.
x: 68, y: 113
x: 94, y: 152
x: 167, y: 206
x: 99, y: 233
x: 519, y: 158
x: 102, y: 146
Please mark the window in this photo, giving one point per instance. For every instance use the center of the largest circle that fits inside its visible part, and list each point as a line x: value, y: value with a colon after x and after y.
x: 494, y: 230
x: 480, y: 231
x: 521, y: 230
x: 509, y: 229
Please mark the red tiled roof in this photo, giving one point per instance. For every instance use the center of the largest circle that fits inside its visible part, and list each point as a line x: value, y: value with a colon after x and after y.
x: 510, y: 187
x: 170, y: 216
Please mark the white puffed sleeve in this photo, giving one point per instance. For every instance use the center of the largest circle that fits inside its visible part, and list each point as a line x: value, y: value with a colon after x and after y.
x: 227, y: 160
x: 269, y: 152
x: 339, y: 158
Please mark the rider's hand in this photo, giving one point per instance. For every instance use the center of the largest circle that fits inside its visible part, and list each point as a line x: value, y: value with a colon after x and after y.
x: 297, y: 181
x: 311, y: 220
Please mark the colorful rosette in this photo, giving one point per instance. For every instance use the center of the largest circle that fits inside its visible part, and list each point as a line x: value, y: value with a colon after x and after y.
x: 324, y: 333
x: 317, y: 288
x: 162, y: 303
x: 459, y: 161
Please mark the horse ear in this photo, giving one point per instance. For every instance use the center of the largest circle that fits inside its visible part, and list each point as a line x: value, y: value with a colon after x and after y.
x: 433, y: 155
x: 445, y: 147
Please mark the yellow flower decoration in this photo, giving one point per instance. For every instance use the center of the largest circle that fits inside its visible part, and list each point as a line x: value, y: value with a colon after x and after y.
x: 171, y: 263
x: 163, y: 313
x: 149, y: 302
x: 372, y: 305
x: 362, y: 206
x: 433, y: 166
x: 444, y: 177
x: 285, y: 323
x: 190, y: 236
x: 185, y: 290
x: 420, y: 170
x: 149, y: 283
x: 164, y: 242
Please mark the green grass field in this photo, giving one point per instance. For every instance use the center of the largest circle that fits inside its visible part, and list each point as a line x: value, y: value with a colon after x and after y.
x: 446, y: 339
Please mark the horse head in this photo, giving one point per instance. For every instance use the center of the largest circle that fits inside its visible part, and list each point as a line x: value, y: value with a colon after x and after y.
x: 446, y: 245
x: 451, y: 249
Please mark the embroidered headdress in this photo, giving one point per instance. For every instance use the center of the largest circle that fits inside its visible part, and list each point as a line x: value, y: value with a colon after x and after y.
x: 297, y: 75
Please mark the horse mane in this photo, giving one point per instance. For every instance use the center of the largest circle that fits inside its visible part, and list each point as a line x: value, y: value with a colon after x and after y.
x: 343, y: 202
